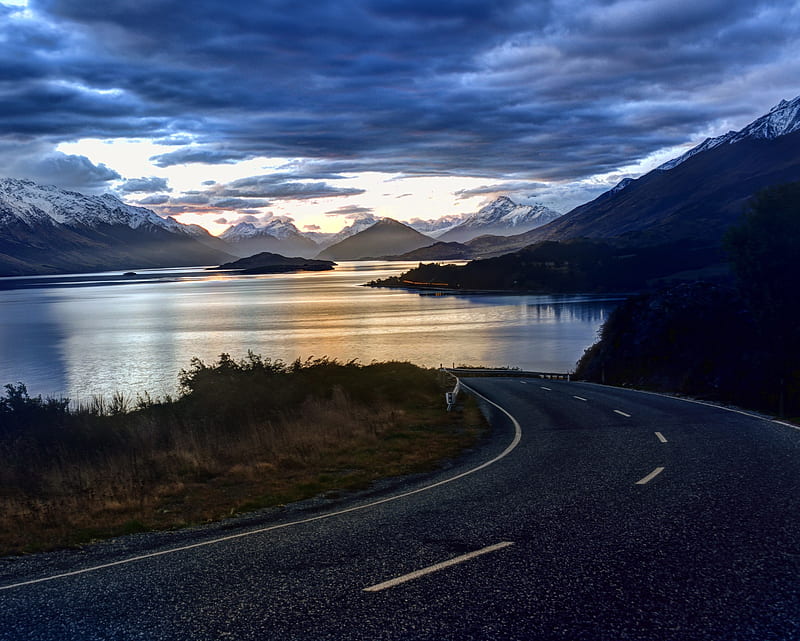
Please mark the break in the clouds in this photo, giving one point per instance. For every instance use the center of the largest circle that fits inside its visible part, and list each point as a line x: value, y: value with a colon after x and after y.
x: 538, y: 91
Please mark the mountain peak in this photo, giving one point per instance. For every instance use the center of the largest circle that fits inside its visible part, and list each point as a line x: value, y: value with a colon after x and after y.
x: 387, y: 237
x: 782, y: 119
x: 501, y: 217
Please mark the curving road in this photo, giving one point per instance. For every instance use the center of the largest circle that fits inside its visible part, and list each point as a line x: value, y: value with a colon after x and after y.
x: 590, y: 513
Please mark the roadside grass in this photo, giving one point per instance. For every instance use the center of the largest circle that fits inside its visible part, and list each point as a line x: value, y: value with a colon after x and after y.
x: 241, y: 435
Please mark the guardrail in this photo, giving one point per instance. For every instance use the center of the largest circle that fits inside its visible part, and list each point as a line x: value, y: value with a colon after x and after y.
x: 455, y: 372
x: 518, y: 373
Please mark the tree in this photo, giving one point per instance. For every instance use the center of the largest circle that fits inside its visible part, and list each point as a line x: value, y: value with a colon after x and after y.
x: 765, y: 250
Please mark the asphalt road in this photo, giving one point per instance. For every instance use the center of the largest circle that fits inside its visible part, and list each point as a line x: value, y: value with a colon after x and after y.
x: 595, y: 513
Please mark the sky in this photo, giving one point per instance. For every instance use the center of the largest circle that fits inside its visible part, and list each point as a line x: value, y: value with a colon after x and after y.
x: 326, y: 110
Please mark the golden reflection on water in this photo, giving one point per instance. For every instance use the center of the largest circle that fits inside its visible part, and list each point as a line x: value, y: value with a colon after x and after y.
x: 137, y: 336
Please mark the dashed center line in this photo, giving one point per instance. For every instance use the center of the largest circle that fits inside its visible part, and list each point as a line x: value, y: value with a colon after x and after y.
x: 546, y: 388
x: 650, y: 476
x: 621, y: 413
x: 435, y: 568
x: 661, y: 437
x: 580, y: 398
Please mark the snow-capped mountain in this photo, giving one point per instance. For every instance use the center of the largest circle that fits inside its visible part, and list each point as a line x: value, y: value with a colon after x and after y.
x: 44, y: 229
x: 278, y: 235
x: 437, y: 226
x: 690, y: 201
x: 782, y: 119
x: 365, y: 221
x: 501, y: 217
x: 30, y: 203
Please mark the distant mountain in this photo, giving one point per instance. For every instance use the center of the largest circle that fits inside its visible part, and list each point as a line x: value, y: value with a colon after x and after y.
x: 693, y: 198
x: 387, y: 237
x: 502, y: 217
x: 438, y: 251
x: 279, y: 236
x: 435, y: 227
x: 358, y: 225
x: 269, y: 263
x: 44, y: 229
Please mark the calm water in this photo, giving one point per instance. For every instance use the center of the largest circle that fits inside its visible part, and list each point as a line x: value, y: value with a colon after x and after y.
x: 79, y: 336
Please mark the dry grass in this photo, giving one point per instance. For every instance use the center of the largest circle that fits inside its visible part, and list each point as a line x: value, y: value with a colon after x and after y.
x: 167, y: 464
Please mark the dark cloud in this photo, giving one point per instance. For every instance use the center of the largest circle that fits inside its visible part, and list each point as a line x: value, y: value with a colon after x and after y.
x: 73, y: 172
x: 145, y: 185
x: 312, y: 227
x: 238, y: 203
x: 522, y: 90
x: 279, y: 187
x: 499, y: 188
x: 157, y: 199
x: 204, y: 156
x: 351, y: 211
x: 191, y: 198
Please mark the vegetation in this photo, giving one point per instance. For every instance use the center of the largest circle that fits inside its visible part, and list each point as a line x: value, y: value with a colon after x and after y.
x: 739, y: 344
x: 240, y: 435
x: 583, y: 266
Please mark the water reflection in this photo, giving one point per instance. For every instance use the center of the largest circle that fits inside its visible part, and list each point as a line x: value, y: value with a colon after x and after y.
x: 78, y: 341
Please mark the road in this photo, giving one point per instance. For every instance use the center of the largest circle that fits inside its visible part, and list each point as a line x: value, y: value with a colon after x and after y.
x: 594, y: 513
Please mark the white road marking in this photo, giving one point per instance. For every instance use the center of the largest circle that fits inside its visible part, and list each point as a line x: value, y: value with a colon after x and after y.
x: 514, y: 442
x: 650, y: 476
x: 714, y: 405
x: 621, y: 413
x: 547, y: 388
x: 435, y: 568
x: 524, y: 382
x: 661, y: 437
x: 580, y: 398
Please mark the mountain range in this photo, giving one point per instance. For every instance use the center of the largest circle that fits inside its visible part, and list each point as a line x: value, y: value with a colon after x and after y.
x: 690, y: 200
x: 48, y: 230
x: 278, y: 235
x: 693, y: 198
x: 501, y: 217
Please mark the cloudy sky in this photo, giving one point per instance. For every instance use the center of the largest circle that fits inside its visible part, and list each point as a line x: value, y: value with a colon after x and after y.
x: 216, y: 110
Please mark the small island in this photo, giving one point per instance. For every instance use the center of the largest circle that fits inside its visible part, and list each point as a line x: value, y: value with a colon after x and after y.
x: 269, y: 263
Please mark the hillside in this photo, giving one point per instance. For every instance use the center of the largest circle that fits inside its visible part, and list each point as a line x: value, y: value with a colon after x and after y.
x: 269, y: 263
x: 45, y: 230
x: 387, y: 237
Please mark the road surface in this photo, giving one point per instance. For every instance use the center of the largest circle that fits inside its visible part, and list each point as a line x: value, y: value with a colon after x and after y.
x: 590, y: 513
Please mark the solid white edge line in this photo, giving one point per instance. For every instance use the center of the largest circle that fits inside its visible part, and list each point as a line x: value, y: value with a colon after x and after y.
x: 661, y: 437
x: 650, y: 476
x: 515, y: 441
x: 697, y: 402
x: 621, y: 413
x: 435, y: 568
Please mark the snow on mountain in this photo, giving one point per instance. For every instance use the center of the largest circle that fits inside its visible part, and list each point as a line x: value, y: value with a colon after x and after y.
x: 364, y: 221
x: 620, y: 185
x: 37, y: 204
x: 436, y: 226
x: 277, y: 235
x: 501, y: 217
x: 45, y: 229
x: 782, y: 119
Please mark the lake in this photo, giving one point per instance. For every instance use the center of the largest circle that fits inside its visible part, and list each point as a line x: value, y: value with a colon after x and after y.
x: 88, y: 334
